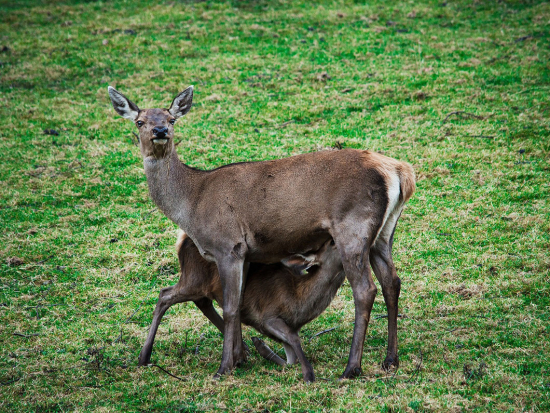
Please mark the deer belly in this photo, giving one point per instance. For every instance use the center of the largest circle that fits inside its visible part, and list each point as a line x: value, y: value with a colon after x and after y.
x: 271, y: 248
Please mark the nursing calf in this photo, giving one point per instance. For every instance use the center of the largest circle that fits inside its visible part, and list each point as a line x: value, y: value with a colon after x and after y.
x: 278, y: 298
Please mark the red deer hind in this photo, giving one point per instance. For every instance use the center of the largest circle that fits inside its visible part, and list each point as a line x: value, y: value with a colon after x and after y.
x: 267, y: 211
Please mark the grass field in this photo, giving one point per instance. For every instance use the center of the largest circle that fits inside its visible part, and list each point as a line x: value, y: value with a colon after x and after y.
x: 460, y: 89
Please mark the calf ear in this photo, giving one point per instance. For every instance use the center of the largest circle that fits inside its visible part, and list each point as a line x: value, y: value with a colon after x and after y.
x: 124, y: 106
x: 299, y: 264
x: 182, y: 103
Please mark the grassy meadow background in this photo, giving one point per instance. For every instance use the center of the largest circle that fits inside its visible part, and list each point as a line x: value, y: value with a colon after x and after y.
x: 460, y: 89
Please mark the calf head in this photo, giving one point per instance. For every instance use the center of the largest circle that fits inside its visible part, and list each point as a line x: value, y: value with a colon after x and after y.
x: 327, y: 258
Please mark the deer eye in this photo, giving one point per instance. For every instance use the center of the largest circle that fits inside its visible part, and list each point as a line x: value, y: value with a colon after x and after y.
x: 140, y: 123
x: 172, y: 121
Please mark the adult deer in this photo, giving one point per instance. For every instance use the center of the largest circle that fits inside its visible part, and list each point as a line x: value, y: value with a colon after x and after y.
x: 267, y: 211
x: 278, y: 298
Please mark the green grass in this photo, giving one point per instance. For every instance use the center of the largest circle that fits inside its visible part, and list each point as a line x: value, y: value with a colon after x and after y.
x: 83, y: 252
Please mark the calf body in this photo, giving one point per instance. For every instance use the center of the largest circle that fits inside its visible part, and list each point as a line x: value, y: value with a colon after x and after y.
x: 277, y: 302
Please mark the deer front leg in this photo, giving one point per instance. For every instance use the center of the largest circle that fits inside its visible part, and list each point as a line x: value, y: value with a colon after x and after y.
x: 232, y: 278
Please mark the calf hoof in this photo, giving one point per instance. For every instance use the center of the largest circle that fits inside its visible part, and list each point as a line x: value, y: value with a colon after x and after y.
x: 390, y: 363
x: 241, y: 358
x: 246, y: 349
x: 351, y: 372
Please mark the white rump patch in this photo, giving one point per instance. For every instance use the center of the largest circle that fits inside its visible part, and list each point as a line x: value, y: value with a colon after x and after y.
x: 392, y: 212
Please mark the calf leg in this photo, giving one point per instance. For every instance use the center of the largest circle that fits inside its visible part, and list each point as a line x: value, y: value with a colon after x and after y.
x: 283, y: 332
x: 384, y: 269
x: 266, y: 352
x: 207, y: 308
x: 291, y: 357
x: 168, y: 297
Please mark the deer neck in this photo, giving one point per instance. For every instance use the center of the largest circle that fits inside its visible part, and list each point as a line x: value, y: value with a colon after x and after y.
x: 170, y: 186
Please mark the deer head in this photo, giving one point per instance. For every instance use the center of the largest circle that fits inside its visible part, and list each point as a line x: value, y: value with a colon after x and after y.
x: 155, y: 126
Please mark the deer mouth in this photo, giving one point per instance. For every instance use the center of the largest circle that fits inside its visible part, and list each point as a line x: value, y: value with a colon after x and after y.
x: 160, y: 141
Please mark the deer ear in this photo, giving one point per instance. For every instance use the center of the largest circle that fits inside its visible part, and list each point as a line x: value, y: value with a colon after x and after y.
x: 124, y: 106
x: 182, y: 103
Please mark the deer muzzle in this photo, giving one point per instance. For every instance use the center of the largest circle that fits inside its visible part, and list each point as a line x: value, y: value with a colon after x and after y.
x: 159, y: 134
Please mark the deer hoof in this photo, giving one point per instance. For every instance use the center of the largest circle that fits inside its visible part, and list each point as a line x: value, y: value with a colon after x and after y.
x: 222, y: 371
x: 143, y: 361
x: 351, y: 372
x: 309, y: 377
x: 390, y: 363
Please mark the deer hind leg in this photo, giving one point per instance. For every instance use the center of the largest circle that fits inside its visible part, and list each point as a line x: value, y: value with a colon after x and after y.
x: 168, y: 297
x: 382, y: 263
x: 384, y: 269
x: 355, y: 251
x: 279, y: 329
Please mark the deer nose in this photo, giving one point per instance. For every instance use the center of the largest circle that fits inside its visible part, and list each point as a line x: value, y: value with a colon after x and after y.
x: 160, y: 132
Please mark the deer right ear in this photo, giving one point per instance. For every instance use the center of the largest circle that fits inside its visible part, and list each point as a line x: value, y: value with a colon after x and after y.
x: 182, y: 103
x: 124, y: 106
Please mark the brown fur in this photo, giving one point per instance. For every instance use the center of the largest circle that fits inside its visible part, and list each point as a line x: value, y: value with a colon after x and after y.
x: 266, y: 211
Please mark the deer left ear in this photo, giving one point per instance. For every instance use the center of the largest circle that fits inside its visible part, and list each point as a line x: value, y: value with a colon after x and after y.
x: 182, y: 103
